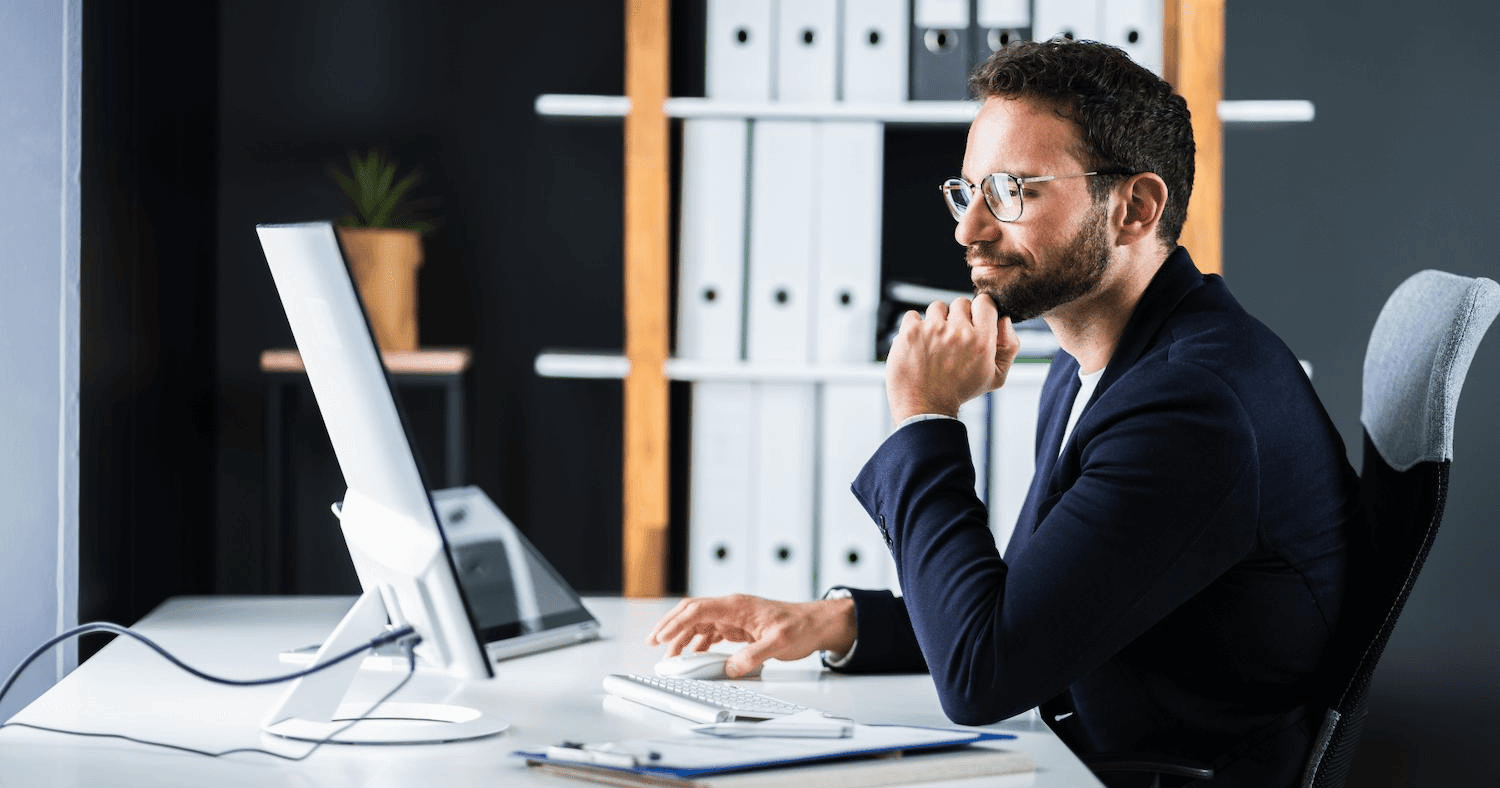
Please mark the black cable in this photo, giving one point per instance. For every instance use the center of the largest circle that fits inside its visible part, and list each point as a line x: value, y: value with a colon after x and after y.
x: 403, y: 633
x: 105, y: 626
x: 412, y: 669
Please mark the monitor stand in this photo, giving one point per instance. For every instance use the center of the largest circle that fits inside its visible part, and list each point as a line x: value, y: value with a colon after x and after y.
x: 312, y: 710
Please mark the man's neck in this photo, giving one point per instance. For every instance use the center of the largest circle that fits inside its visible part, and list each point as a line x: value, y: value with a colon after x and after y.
x: 1090, y: 327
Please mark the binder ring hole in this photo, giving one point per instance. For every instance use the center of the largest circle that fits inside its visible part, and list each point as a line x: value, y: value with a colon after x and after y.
x: 1133, y: 36
x: 873, y: 37
x: 721, y: 552
x: 1068, y: 34
x: 742, y: 35
x: 998, y: 39
x: 852, y: 557
x: 710, y: 294
x: 940, y: 41
x: 846, y: 298
x: 808, y: 35
x: 782, y: 296
x: 783, y: 553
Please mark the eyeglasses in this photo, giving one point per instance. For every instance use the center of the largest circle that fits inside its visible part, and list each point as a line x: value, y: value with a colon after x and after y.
x: 1002, y: 192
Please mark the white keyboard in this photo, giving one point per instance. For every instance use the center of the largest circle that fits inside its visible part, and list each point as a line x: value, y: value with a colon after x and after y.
x: 697, y: 699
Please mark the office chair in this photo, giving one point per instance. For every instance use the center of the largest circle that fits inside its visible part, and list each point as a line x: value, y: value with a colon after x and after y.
x: 1415, y: 365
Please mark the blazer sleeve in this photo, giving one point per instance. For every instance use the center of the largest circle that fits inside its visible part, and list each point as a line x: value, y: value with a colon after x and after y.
x: 886, y: 641
x: 1160, y: 500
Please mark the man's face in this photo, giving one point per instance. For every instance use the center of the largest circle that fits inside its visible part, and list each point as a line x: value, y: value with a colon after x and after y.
x: 1058, y: 250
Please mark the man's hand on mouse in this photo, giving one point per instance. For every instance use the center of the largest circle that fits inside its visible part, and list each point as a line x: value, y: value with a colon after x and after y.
x: 950, y: 355
x: 772, y: 629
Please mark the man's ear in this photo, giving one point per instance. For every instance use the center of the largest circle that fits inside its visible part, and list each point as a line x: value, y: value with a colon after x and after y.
x: 1144, y: 197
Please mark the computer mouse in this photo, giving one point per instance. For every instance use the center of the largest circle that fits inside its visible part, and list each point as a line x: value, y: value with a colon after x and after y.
x: 697, y: 665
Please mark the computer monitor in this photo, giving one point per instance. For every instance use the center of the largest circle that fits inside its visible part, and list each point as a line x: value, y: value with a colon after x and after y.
x: 407, y: 564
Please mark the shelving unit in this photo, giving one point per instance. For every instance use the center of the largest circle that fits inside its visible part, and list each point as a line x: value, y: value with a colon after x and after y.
x: 1193, y: 63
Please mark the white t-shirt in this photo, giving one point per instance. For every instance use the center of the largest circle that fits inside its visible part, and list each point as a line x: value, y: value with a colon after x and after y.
x: 1087, y: 384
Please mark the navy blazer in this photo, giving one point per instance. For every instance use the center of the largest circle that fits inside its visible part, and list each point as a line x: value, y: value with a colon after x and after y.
x: 1177, y: 569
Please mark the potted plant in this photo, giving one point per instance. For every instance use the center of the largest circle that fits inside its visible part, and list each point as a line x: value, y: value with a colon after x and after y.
x: 382, y: 238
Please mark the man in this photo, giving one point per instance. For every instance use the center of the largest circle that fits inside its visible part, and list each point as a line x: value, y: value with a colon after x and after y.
x: 1178, y: 567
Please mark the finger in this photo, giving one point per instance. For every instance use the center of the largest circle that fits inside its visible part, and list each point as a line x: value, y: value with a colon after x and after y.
x: 665, y: 624
x: 695, y: 639
x: 1007, y: 345
x: 749, y: 658
x: 687, y: 617
x: 937, y: 310
x: 986, y: 315
x: 961, y: 311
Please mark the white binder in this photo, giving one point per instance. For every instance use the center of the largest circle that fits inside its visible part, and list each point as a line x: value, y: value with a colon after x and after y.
x: 1013, y: 415
x: 1136, y: 27
x: 719, y: 507
x: 781, y: 493
x: 846, y: 240
x: 999, y: 22
x: 740, y: 49
x: 853, y: 421
x: 1076, y: 19
x: 874, y: 50
x: 711, y: 242
x: 779, y: 305
x: 807, y: 54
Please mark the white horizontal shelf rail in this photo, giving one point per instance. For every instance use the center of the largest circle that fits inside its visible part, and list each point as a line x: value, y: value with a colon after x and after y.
x: 1269, y: 111
x: 607, y: 366
x: 1232, y: 113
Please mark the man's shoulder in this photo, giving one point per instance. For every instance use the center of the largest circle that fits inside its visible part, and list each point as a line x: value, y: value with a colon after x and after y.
x: 1210, y: 356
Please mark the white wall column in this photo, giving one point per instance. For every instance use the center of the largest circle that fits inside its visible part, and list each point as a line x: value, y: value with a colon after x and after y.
x: 40, y: 141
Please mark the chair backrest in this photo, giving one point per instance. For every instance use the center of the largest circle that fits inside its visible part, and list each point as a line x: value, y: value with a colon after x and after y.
x: 1418, y: 357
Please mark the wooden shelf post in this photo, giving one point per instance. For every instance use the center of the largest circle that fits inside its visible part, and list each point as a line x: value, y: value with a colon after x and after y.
x: 647, y: 294
x: 1194, y: 64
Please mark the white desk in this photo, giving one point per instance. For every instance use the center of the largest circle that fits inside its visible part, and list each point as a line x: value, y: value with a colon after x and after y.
x: 548, y: 698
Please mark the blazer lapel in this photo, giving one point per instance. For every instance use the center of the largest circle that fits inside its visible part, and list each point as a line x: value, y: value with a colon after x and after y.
x: 1057, y: 401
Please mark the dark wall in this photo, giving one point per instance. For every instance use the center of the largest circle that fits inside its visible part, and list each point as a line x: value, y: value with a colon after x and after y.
x: 146, y: 379
x: 1322, y: 221
x: 527, y: 255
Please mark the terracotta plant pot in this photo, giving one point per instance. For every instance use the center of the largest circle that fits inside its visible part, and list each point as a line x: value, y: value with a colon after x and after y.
x: 384, y: 263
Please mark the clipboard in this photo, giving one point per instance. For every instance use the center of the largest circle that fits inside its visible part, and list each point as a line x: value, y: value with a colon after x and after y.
x: 871, y: 755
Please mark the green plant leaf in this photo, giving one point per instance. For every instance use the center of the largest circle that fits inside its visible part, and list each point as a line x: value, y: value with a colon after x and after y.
x: 377, y: 197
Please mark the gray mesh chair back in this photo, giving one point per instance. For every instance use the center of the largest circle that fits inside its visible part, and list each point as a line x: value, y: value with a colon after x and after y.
x: 1415, y: 365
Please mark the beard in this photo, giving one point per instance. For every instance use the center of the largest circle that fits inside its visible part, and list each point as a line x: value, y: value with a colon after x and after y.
x: 1037, y: 289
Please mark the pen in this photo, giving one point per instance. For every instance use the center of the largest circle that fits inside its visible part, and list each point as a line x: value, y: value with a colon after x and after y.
x: 583, y: 753
x: 784, y: 730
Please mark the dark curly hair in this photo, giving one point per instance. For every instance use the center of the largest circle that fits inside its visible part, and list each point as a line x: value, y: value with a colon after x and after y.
x: 1129, y: 118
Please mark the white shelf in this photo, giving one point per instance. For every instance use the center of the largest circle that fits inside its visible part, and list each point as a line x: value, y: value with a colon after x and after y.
x: 579, y: 364
x: 1269, y: 112
x: 912, y: 112
x: 593, y: 365
x: 564, y: 105
x: 1232, y: 113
